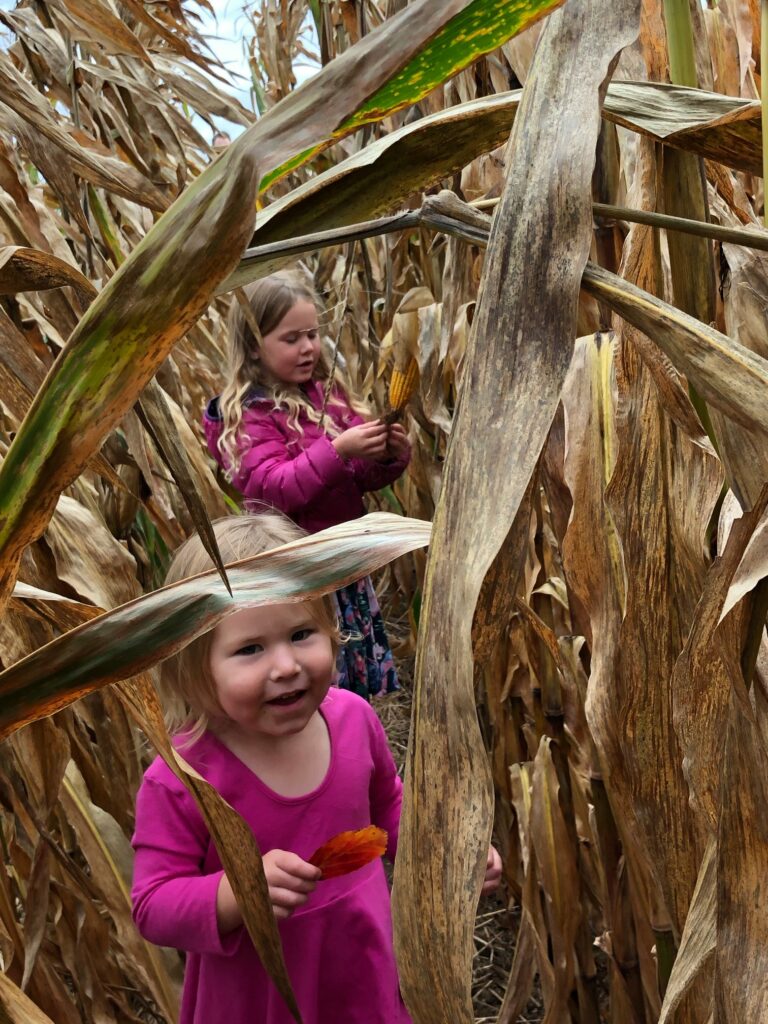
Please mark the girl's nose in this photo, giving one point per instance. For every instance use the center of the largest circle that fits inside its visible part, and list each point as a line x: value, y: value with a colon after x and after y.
x: 284, y: 664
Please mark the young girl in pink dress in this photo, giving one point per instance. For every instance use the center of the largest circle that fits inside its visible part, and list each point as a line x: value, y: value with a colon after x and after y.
x: 279, y: 441
x: 254, y: 712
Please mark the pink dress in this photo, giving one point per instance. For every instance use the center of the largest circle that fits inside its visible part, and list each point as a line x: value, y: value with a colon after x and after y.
x: 338, y: 946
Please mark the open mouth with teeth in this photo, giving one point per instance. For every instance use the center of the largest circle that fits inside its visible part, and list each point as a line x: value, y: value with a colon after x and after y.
x: 286, y: 699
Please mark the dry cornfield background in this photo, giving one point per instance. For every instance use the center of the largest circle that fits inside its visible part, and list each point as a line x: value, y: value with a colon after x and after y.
x: 494, y: 190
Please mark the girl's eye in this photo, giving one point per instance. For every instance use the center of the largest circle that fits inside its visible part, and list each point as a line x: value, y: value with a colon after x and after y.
x: 247, y: 649
x: 313, y: 335
x: 302, y: 634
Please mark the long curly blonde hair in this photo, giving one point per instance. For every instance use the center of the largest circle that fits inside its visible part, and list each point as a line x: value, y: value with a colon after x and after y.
x: 268, y: 301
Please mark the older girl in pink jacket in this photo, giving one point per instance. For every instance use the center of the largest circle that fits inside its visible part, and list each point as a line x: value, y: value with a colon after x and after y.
x: 277, y: 444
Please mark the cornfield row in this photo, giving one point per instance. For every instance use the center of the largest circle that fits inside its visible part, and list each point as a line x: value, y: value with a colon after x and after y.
x: 595, y: 583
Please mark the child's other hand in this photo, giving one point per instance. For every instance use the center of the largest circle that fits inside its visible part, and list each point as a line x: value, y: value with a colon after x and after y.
x: 365, y: 441
x: 397, y: 440
x: 492, y: 871
x: 290, y: 880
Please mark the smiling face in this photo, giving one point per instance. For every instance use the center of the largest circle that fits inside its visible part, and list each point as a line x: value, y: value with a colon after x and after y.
x: 290, y: 351
x: 272, y: 668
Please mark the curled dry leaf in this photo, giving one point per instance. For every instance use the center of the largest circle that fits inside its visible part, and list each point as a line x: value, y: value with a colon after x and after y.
x: 23, y: 269
x: 349, y: 851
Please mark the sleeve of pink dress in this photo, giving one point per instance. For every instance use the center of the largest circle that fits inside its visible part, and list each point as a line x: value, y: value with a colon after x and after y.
x: 173, y: 903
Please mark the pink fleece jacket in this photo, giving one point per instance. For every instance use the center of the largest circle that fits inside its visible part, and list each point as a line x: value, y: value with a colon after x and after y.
x: 301, y: 474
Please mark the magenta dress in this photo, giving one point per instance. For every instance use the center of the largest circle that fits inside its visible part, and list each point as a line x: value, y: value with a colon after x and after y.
x: 338, y: 946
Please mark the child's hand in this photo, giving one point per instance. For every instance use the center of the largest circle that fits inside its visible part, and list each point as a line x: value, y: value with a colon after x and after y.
x: 365, y: 441
x: 492, y: 871
x: 290, y: 880
x: 397, y: 440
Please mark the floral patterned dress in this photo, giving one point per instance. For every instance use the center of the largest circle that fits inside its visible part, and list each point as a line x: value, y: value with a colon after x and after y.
x: 365, y: 664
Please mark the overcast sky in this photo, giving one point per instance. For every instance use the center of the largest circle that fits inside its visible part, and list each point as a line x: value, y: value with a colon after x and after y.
x: 225, y: 37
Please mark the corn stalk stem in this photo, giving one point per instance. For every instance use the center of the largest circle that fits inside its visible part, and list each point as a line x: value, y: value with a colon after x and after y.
x: 666, y: 952
x: 682, y: 56
x: 620, y: 914
x: 584, y: 1000
x: 750, y: 238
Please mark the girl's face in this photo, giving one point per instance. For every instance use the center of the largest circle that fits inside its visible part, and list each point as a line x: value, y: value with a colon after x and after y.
x: 271, y: 667
x: 291, y: 349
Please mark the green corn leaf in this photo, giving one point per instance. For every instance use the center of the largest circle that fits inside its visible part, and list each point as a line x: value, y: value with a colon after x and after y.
x: 479, y: 28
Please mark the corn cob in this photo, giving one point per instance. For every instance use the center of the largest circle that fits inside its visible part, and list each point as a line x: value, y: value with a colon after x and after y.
x: 402, y: 385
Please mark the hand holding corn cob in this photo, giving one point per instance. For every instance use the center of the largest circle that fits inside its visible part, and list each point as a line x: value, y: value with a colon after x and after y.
x: 364, y: 441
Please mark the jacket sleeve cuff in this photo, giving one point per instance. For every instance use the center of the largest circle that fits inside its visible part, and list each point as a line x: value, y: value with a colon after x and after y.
x: 327, y: 462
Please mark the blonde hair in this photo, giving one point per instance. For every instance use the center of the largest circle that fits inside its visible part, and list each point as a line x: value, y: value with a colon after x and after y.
x: 268, y: 300
x: 187, y: 689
